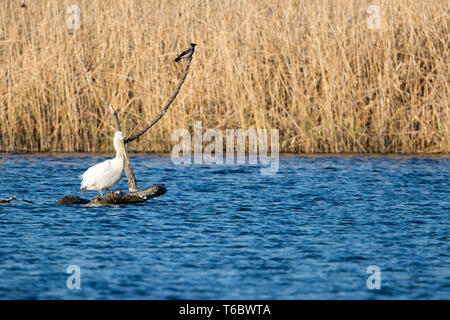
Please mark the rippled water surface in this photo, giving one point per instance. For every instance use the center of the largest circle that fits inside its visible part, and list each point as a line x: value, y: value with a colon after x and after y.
x: 227, y: 232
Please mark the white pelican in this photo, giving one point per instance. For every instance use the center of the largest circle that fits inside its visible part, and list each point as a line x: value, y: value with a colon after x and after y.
x: 107, y: 173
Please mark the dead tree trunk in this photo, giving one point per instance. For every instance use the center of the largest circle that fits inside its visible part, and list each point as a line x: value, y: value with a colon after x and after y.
x: 128, y: 171
x: 134, y: 196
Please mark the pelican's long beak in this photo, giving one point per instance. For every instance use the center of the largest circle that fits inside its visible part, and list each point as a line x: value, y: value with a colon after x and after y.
x: 120, y: 143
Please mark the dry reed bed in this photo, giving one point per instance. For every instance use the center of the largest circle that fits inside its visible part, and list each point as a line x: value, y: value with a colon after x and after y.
x: 312, y: 69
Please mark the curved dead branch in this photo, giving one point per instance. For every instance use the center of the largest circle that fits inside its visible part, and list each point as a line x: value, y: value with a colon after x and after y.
x: 163, y: 111
x: 134, y: 196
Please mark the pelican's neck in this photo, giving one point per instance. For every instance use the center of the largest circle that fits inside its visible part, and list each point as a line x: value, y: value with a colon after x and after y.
x: 119, y: 153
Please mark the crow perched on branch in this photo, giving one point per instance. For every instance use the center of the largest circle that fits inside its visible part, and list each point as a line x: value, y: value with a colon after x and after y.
x: 186, y: 53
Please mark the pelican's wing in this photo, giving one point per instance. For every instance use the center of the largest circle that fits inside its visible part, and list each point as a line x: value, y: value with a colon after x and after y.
x: 94, y: 174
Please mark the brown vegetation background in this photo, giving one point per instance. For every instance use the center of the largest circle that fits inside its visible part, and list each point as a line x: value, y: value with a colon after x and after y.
x: 312, y: 69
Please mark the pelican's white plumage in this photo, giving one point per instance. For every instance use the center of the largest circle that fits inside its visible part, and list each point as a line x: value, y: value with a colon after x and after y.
x: 107, y: 173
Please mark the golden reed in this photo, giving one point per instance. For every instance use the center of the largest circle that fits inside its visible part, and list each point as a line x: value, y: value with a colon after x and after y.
x: 313, y: 69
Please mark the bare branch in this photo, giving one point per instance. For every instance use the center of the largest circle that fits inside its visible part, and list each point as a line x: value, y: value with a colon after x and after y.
x: 14, y: 198
x: 163, y: 111
x: 128, y: 170
x: 115, y: 117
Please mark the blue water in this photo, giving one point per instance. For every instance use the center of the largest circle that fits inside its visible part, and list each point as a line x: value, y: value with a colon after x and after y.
x: 227, y: 232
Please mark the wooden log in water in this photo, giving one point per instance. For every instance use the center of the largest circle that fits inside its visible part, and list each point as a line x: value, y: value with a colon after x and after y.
x: 14, y: 198
x: 117, y: 197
